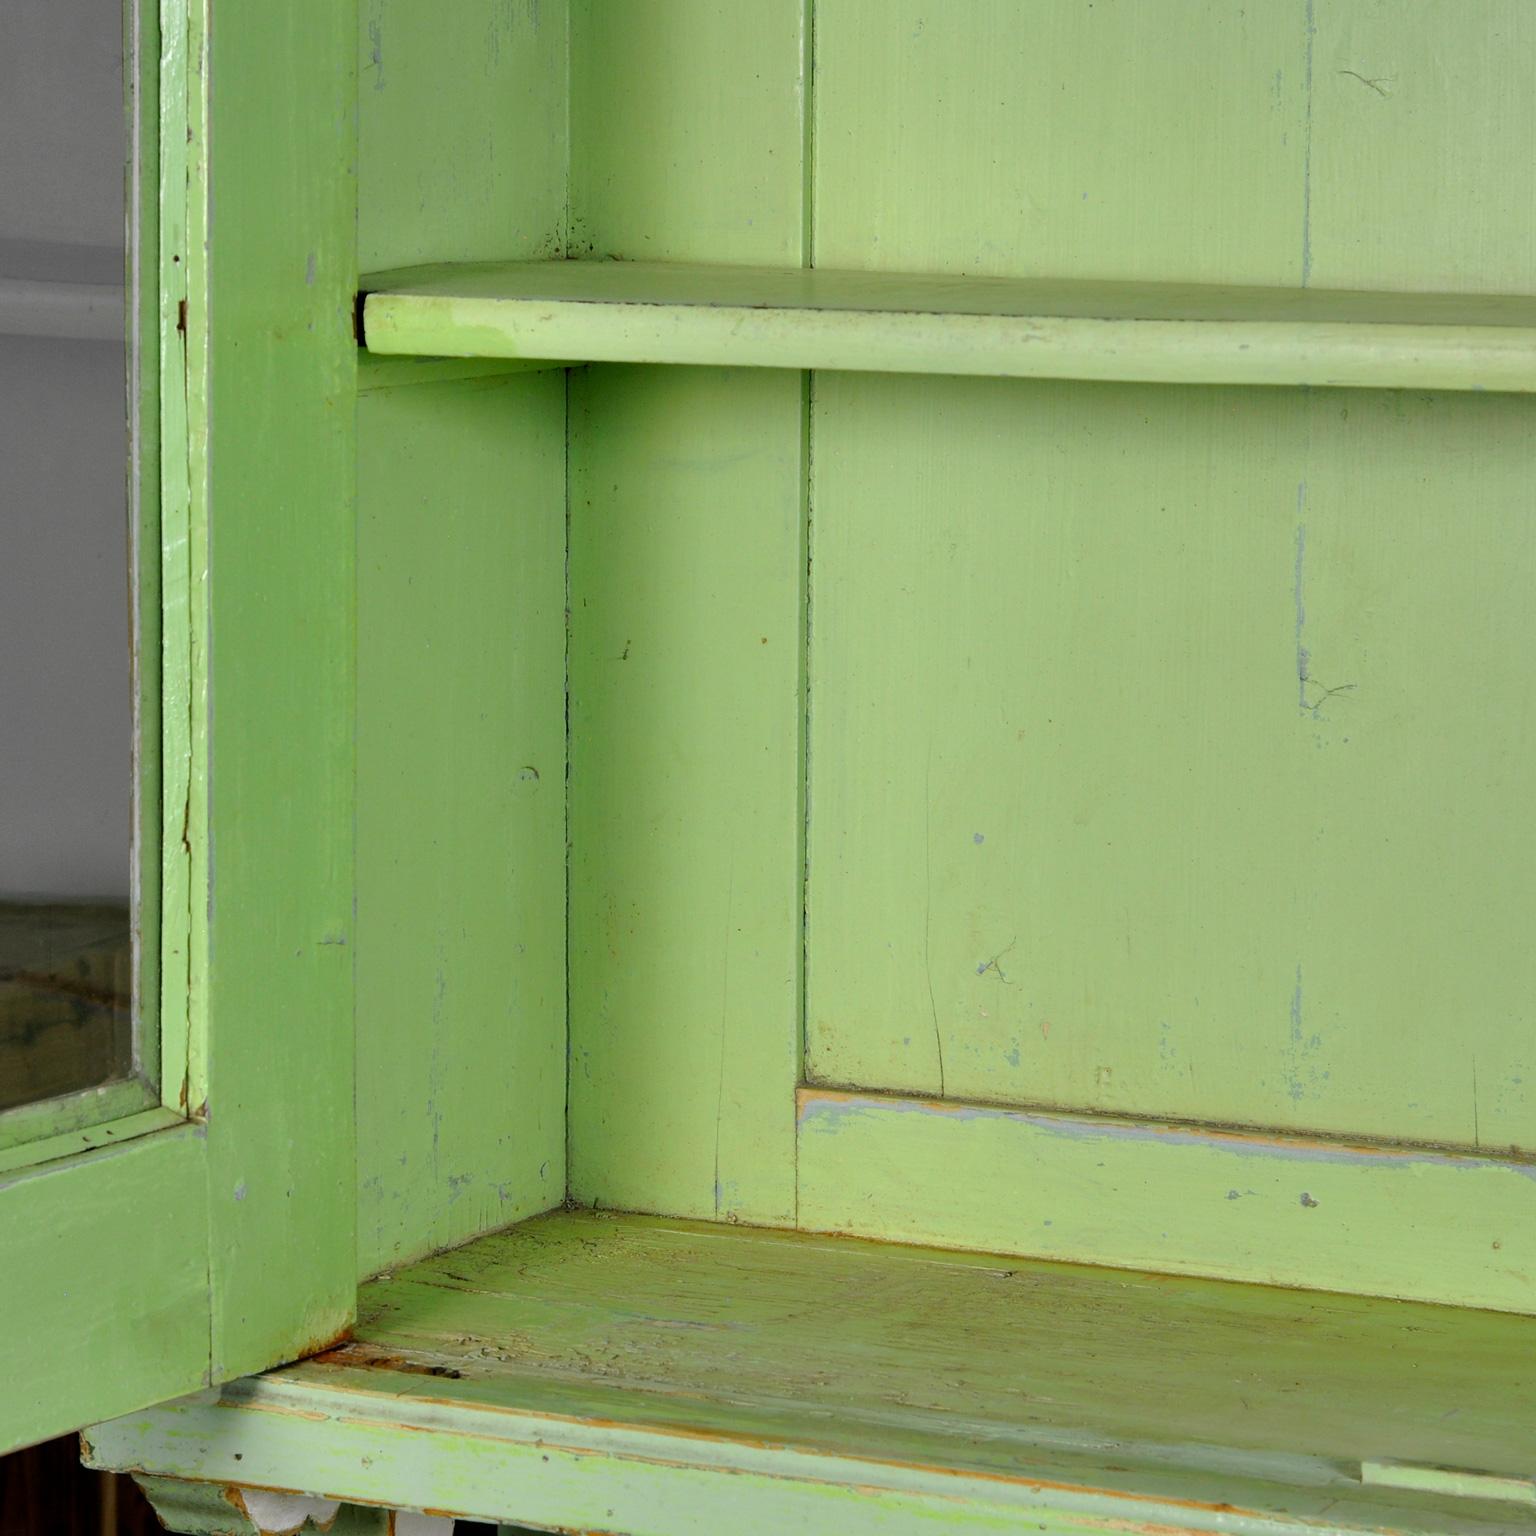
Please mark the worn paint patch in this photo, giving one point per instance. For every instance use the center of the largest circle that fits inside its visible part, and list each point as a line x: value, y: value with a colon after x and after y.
x: 827, y: 1109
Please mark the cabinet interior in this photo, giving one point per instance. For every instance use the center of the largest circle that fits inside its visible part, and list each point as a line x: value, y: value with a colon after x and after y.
x: 806, y: 795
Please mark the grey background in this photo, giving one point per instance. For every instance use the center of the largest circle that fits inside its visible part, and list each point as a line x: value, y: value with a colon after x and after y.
x: 64, y: 681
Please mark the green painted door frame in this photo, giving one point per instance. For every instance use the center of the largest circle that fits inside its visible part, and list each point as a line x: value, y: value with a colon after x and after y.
x: 205, y: 1227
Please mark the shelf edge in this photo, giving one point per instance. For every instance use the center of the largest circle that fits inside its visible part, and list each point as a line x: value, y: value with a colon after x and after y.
x: 1331, y: 354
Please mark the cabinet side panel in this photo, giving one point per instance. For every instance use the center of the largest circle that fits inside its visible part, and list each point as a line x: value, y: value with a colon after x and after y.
x: 462, y: 126
x: 461, y: 816
x: 687, y: 575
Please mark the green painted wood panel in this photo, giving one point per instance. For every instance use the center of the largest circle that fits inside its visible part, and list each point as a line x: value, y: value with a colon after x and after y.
x: 1363, y: 1219
x: 1162, y: 142
x: 463, y: 146
x: 1342, y: 143
x: 462, y: 123
x: 104, y: 1285
x: 687, y: 560
x: 461, y: 811
x: 1154, y: 766
x: 391, y: 1445
x: 194, y: 1251
x: 271, y: 392
x: 1265, y: 854
x: 688, y: 129
x: 687, y: 571
x: 1422, y: 116
x: 657, y: 1376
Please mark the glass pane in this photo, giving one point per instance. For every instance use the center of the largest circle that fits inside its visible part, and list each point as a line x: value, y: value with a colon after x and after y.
x: 66, y: 1018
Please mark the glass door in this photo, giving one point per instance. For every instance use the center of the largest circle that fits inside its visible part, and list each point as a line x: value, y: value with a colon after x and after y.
x: 74, y: 1048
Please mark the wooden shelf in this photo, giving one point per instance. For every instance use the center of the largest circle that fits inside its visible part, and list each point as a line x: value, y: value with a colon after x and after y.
x: 729, y: 1378
x: 632, y: 312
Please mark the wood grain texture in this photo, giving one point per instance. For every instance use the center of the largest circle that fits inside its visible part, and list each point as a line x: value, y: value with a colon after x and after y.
x: 686, y: 572
x: 687, y: 561
x: 171, y: 554
x: 461, y: 813
x: 886, y: 322
x: 1367, y: 1220
x: 654, y: 1376
x: 1170, y: 754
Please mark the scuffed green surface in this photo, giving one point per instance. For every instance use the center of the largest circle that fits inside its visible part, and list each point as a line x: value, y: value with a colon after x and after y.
x: 463, y: 127
x: 659, y: 1375
x: 686, y: 572
x: 687, y: 560
x: 186, y: 1254
x: 688, y: 130
x: 1330, y: 143
x: 1168, y: 753
x: 271, y: 399
x: 1377, y: 1221
x: 103, y: 1284
x: 461, y: 811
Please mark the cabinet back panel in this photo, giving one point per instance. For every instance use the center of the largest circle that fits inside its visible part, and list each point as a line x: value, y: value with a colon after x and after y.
x: 1153, y: 763
x: 462, y: 131
x: 1336, y: 143
x: 1154, y: 768
x: 686, y: 645
x: 687, y: 567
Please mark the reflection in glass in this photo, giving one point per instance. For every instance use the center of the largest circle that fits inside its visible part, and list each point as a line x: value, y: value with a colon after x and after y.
x: 65, y: 713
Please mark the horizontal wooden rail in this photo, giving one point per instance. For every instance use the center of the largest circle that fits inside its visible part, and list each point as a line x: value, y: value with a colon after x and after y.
x: 631, y: 312
x: 1408, y: 1222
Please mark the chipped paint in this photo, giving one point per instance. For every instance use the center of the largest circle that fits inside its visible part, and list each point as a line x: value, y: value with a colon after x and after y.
x: 829, y: 1107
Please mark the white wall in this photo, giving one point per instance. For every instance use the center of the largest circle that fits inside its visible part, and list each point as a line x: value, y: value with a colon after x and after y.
x: 64, y: 706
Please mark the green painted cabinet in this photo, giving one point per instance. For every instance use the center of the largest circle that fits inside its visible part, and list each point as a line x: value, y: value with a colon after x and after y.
x: 855, y: 691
